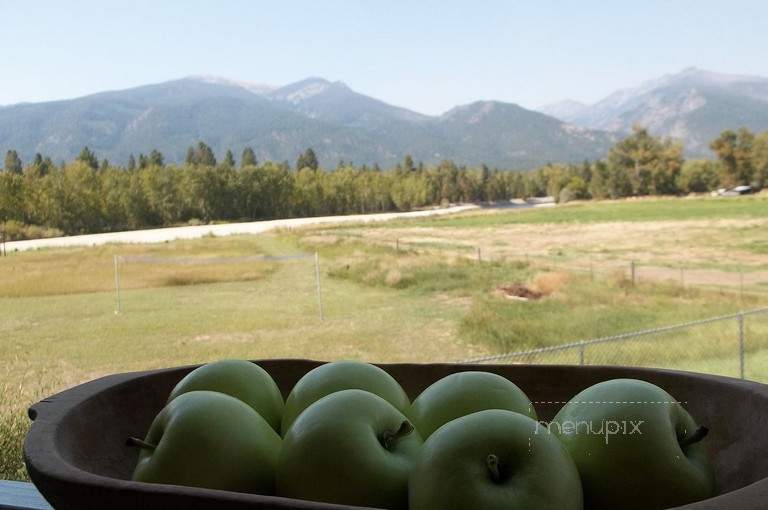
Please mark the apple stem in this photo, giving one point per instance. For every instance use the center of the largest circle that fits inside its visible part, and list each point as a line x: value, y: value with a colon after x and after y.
x: 697, y: 436
x: 492, y: 462
x: 388, y: 438
x: 135, y: 441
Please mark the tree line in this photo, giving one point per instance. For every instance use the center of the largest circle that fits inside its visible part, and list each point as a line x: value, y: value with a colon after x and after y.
x: 91, y: 195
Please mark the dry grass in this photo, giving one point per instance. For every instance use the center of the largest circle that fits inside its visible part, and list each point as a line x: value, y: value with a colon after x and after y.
x: 711, y: 251
x: 549, y: 283
x: 84, y: 270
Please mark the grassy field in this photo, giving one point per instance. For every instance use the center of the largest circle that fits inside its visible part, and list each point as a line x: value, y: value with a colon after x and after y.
x: 425, y: 299
x: 630, y: 210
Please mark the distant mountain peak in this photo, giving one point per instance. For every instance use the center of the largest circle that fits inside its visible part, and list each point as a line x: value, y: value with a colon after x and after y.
x: 704, y: 75
x: 474, y: 112
x: 693, y: 105
x: 256, y: 88
x: 307, y: 88
x: 563, y: 110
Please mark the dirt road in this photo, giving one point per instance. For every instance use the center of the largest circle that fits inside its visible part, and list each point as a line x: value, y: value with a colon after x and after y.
x: 159, y: 235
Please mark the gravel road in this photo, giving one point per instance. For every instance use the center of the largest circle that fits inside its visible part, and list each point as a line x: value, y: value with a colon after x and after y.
x: 159, y: 235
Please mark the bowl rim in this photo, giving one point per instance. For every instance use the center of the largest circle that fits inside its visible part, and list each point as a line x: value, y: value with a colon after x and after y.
x: 46, y: 464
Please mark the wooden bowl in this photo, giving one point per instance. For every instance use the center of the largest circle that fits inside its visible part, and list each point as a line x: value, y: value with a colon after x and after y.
x: 76, y: 455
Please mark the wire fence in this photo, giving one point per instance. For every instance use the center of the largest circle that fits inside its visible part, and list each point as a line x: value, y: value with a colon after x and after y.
x: 739, y: 278
x: 735, y: 345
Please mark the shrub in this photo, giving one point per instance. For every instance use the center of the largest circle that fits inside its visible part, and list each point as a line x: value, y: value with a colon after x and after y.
x: 18, y: 231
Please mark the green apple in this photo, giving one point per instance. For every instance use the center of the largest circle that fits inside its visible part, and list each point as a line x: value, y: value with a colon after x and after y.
x: 241, y: 379
x: 494, y: 459
x: 211, y: 440
x: 636, y: 447
x: 465, y: 393
x: 351, y: 447
x: 342, y: 375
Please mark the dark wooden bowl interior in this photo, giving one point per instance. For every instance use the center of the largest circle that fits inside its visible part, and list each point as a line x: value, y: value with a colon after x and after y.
x: 76, y: 454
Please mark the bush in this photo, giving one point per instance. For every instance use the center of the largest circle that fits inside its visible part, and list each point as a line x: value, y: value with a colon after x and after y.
x: 566, y: 195
x: 698, y: 176
x: 17, y: 231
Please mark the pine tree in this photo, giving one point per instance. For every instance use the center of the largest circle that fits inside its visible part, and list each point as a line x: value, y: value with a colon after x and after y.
x: 307, y: 160
x: 156, y: 158
x: 88, y: 157
x: 248, y: 158
x: 131, y: 163
x: 190, y: 159
x: 408, y: 165
x: 46, y: 166
x: 12, y: 162
x: 204, y: 155
x: 143, y: 161
x: 229, y: 159
x: 104, y: 164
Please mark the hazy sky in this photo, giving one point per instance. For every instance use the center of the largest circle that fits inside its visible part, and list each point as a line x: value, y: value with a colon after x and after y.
x: 424, y: 55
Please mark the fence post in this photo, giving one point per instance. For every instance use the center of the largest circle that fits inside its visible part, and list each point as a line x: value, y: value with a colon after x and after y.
x: 319, y: 288
x: 632, y: 270
x: 741, y: 345
x: 118, y: 307
x: 397, y: 244
x: 581, y: 353
x: 479, y: 255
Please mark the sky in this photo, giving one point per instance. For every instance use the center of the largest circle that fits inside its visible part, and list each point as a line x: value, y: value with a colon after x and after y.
x: 424, y: 55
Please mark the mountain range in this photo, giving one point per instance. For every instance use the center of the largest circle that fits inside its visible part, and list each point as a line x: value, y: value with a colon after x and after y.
x: 693, y: 106
x: 279, y: 123
x: 342, y: 124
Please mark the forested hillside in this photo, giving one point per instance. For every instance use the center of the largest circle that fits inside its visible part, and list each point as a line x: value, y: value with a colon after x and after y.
x: 41, y: 198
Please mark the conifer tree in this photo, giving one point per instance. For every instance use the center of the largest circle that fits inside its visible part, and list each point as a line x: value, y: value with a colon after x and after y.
x: 88, y: 157
x: 156, y: 158
x: 229, y: 159
x: 248, y: 158
x: 307, y: 160
x: 204, y: 155
x: 190, y: 159
x: 12, y: 162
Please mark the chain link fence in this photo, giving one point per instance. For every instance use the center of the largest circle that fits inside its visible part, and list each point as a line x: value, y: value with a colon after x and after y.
x: 733, y: 345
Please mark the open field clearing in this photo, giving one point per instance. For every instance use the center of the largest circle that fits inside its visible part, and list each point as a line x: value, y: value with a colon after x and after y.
x: 711, y: 239
x: 423, y: 298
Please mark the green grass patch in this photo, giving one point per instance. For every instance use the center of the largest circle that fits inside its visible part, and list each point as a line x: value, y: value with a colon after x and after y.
x: 758, y: 247
x: 584, y: 309
x: 661, y: 209
x: 422, y: 272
